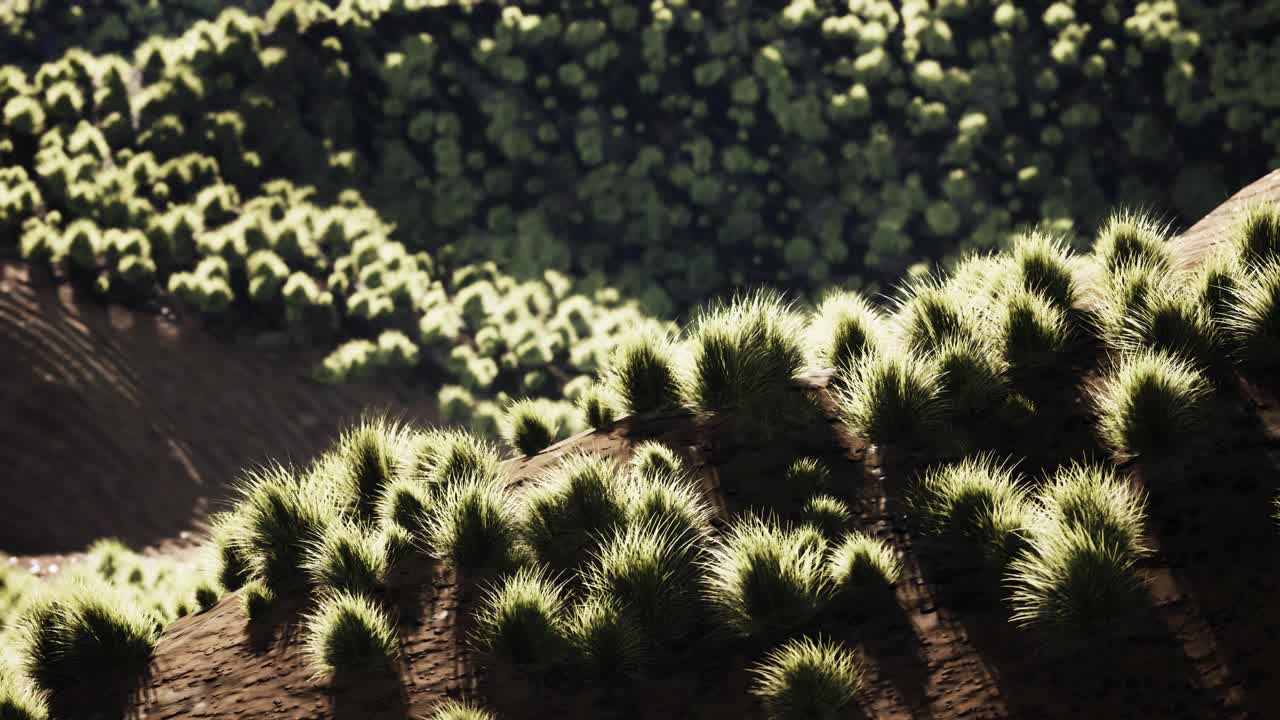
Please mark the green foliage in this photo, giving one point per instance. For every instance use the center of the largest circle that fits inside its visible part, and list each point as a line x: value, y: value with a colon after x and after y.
x: 345, y: 559
x: 1252, y: 318
x: 1173, y: 323
x: 18, y: 701
x: 653, y: 460
x: 598, y: 406
x: 891, y: 398
x: 473, y: 527
x: 520, y: 619
x: 1128, y: 238
x: 830, y: 515
x: 650, y: 569
x: 844, y: 329
x: 571, y: 507
x: 405, y: 503
x: 1255, y: 236
x: 976, y: 505
x: 608, y: 643
x: 526, y: 429
x: 807, y: 475
x: 1095, y: 499
x: 445, y: 457
x: 1042, y: 265
x: 256, y: 600
x: 459, y: 710
x: 806, y: 678
x: 281, y: 519
x: 349, y: 632
x: 930, y: 314
x: 972, y: 376
x: 860, y: 565
x: 1032, y: 331
x: 370, y: 456
x: 642, y: 373
x: 1150, y: 404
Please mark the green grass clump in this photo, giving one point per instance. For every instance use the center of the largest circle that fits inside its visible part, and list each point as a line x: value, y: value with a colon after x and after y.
x: 642, y: 373
x: 82, y: 635
x: 598, y: 406
x: 807, y: 475
x: 930, y: 313
x: 668, y: 499
x: 280, y: 520
x: 474, y: 528
x: 527, y: 429
x: 978, y: 504
x: 1129, y: 238
x: 972, y: 376
x: 1075, y: 586
x: 109, y: 557
x: 743, y: 359
x: 1150, y: 404
x: 650, y: 569
x: 206, y: 596
x: 1042, y: 264
x: 1215, y: 283
x: 349, y: 632
x: 345, y: 558
x: 652, y: 459
x: 829, y: 514
x: 861, y: 564
x: 1255, y: 235
x: 405, y: 503
x: 459, y: 710
x: 571, y: 507
x: 804, y: 679
x: 447, y: 456
x: 1126, y: 292
x: 1032, y: 331
x: 520, y: 617
x: 1095, y: 499
x: 764, y: 579
x: 19, y: 701
x: 231, y: 564
x: 891, y: 399
x: 256, y: 601
x: 844, y: 328
x: 1253, y: 318
x: 608, y: 643
x: 372, y: 455
x: 1171, y: 323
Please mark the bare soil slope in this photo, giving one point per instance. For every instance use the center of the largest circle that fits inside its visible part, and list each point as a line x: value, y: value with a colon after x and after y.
x: 122, y: 423
x: 946, y: 650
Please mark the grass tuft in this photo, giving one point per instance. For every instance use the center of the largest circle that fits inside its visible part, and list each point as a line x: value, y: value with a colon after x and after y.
x: 1150, y: 403
x: 572, y: 506
x: 256, y: 600
x: 231, y: 564
x: 519, y: 618
x: 598, y: 406
x: 1216, y: 283
x: 346, y: 559
x: 642, y: 373
x: 891, y: 399
x: 650, y: 570
x: 828, y: 514
x: 1093, y: 498
x: 372, y: 455
x: 1253, y: 318
x: 652, y: 459
x: 667, y: 499
x: 349, y: 632
x: 19, y: 701
x: 281, y: 519
x: 527, y: 428
x: 1255, y: 235
x: 1126, y: 292
x: 930, y: 313
x: 764, y: 579
x: 83, y: 635
x: 405, y: 504
x: 1032, y: 331
x: 608, y: 642
x: 1042, y: 264
x: 804, y: 679
x: 1171, y: 323
x: 1128, y: 238
x: 459, y: 710
x: 972, y: 376
x: 206, y: 597
x: 860, y: 565
x: 843, y: 330
x: 447, y: 456
x: 474, y: 528
x: 977, y: 503
x: 806, y: 476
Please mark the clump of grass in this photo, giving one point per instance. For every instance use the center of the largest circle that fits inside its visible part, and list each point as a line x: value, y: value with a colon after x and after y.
x: 19, y: 701
x: 829, y: 514
x: 1172, y: 323
x: 642, y: 374
x: 1127, y: 291
x: 256, y: 600
x: 573, y: 505
x: 459, y: 710
x: 1255, y: 236
x: 1216, y: 283
x: 972, y: 376
x: 843, y: 330
x: 607, y: 641
x: 1042, y: 264
x: 930, y: 313
x: 206, y: 596
x: 371, y: 456
x: 807, y: 475
x: 475, y: 528
x: 527, y: 428
x: 665, y: 499
x: 650, y: 570
x: 652, y: 459
x: 394, y: 544
x: 345, y: 558
x: 1150, y: 403
x: 764, y: 579
x: 891, y: 399
x: 109, y: 557
x: 83, y: 635
x: 598, y: 406
x: 1253, y: 319
x: 349, y: 632
x: 231, y: 564
x: 404, y: 504
x: 804, y: 679
x: 1032, y: 331
x: 861, y: 564
x: 280, y: 519
x: 977, y: 503
x: 1127, y: 238
x: 447, y: 456
x: 1095, y: 499
x: 743, y: 358
x: 1075, y: 586
x: 520, y: 618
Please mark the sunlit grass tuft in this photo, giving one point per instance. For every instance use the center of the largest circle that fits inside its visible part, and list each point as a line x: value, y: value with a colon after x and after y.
x: 650, y: 570
x: 844, y: 329
x: 860, y: 565
x: 1032, y: 332
x: 1255, y: 235
x: 599, y: 406
x: 807, y: 475
x: 1094, y: 498
x: 1128, y: 237
x: 891, y: 399
x: 349, y: 632
x: 972, y: 376
x: 977, y: 505
x: 574, y: 504
x: 280, y: 520
x: 1150, y: 404
x: 520, y: 618
x: 642, y: 373
x: 806, y: 679
x: 19, y: 701
x: 1042, y: 264
x: 527, y: 428
x: 475, y: 527
x: 829, y: 514
x: 459, y: 710
x: 608, y: 643
x: 930, y: 313
x: 345, y: 558
x: 1252, y: 318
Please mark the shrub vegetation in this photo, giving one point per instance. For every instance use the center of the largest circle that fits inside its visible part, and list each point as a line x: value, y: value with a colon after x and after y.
x: 475, y: 528
x: 572, y: 506
x: 861, y: 565
x: 806, y: 678
x: 642, y: 373
x: 891, y: 399
x: 1150, y: 403
x: 526, y: 429
x: 349, y: 632
x: 977, y: 503
x: 650, y: 570
x: 520, y: 619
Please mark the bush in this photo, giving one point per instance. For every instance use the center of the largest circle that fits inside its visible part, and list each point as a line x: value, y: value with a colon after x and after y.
x: 804, y: 678
x: 1215, y: 283
x: 860, y: 565
x: 807, y: 475
x: 649, y: 569
x: 1128, y: 291
x: 405, y: 504
x: 764, y: 579
x: 830, y: 515
x: 972, y: 377
x: 459, y: 710
x: 349, y: 632
x: 608, y: 643
x: 1128, y: 238
x: 1042, y: 265
x: 520, y: 618
x: 977, y: 504
x: 280, y: 520
x: 642, y: 373
x: 597, y: 404
x: 891, y: 399
x: 447, y: 456
x: 474, y: 527
x: 1149, y: 404
x: 571, y: 507
x: 20, y: 702
x: 86, y: 634
x: 1253, y: 318
x: 526, y: 428
x: 372, y: 456
x: 665, y: 498
x: 256, y: 600
x: 1093, y: 498
x: 653, y: 460
x: 1173, y: 324
x: 1255, y: 235
x: 844, y: 329
x: 1032, y: 331
x: 929, y: 313
x: 345, y: 559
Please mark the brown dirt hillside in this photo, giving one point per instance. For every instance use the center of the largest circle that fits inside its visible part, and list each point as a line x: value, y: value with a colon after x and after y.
x: 1209, y: 648
x: 129, y: 424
